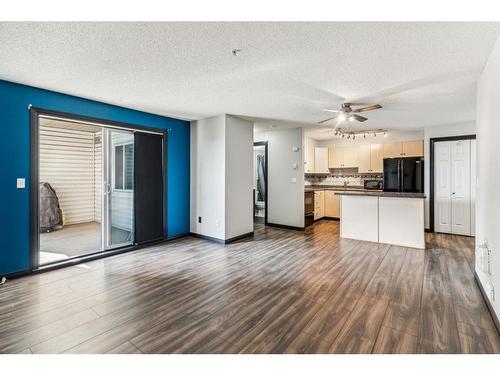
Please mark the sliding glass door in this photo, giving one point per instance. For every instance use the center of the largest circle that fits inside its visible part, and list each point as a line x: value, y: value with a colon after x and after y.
x: 97, y: 187
x: 118, y: 188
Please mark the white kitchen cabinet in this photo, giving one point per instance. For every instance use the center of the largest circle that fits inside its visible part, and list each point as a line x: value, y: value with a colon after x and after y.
x: 343, y: 157
x: 371, y: 158
x: 332, y: 204
x: 309, y: 155
x: 319, y: 204
x: 404, y: 149
x: 321, y: 160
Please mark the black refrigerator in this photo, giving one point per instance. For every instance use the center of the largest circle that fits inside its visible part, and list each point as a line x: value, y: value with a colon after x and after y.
x: 404, y: 175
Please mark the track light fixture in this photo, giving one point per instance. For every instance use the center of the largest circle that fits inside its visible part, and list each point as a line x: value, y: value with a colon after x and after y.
x: 352, y: 134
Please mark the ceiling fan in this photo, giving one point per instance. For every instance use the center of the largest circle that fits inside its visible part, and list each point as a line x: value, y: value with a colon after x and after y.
x: 347, y: 113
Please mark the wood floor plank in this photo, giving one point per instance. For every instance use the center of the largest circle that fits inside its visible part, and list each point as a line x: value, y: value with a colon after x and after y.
x: 403, y: 312
x: 281, y: 291
x: 477, y: 340
x: 391, y: 341
x: 438, y: 332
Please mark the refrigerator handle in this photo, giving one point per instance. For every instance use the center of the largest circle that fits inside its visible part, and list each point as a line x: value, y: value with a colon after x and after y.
x: 399, y: 175
x: 402, y: 175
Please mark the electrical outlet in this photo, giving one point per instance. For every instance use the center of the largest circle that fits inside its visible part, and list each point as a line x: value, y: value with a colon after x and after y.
x: 199, y: 219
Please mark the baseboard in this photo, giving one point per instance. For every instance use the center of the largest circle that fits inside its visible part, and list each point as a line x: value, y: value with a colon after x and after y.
x: 427, y: 230
x: 327, y: 218
x: 284, y: 226
x: 488, y: 303
x: 240, y: 237
x: 221, y: 241
x: 178, y: 236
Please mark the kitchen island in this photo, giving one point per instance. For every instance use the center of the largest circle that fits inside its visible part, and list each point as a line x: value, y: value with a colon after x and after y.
x: 385, y: 217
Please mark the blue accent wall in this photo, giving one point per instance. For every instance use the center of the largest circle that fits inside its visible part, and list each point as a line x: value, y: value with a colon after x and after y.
x: 15, y: 162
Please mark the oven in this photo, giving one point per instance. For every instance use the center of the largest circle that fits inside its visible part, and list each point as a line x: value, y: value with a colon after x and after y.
x: 309, y: 207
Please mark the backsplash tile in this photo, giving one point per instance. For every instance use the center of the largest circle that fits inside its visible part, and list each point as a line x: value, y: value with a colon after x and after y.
x: 339, y: 176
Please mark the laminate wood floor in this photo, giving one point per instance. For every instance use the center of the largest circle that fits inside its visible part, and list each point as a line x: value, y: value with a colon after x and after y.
x: 279, y: 292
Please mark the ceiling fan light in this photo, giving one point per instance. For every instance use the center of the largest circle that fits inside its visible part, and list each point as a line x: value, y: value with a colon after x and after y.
x: 341, y: 117
x: 385, y: 134
x: 351, y: 119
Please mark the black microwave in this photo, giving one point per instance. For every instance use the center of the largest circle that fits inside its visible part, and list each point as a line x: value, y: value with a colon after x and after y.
x: 373, y: 184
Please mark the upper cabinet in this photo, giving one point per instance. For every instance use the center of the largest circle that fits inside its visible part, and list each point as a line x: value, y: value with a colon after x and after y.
x: 413, y: 148
x: 321, y: 160
x: 371, y: 158
x: 404, y: 149
x: 309, y: 155
x: 343, y: 157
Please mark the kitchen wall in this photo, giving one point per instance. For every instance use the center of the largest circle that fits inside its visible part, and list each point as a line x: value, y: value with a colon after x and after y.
x: 488, y: 180
x: 286, y: 184
x: 438, y: 131
x: 221, y: 177
x: 349, y: 176
x: 15, y: 162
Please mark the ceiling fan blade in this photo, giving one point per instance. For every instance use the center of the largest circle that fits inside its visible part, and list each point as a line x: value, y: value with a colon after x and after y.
x: 328, y: 119
x: 369, y: 108
x: 331, y: 110
x: 359, y: 118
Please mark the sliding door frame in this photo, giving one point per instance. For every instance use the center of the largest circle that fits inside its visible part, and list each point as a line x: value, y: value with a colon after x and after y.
x: 34, y: 231
x: 432, y: 142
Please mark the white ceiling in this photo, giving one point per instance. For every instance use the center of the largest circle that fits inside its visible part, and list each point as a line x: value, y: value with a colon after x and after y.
x: 422, y: 73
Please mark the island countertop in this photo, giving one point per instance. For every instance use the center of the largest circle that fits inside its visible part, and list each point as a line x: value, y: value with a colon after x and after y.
x: 378, y: 193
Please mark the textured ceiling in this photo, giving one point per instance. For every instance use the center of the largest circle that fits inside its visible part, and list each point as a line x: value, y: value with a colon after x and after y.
x: 422, y: 73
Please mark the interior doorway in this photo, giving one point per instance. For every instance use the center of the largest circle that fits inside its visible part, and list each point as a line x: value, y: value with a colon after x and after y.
x: 260, y: 179
x: 453, y: 185
x: 84, y: 200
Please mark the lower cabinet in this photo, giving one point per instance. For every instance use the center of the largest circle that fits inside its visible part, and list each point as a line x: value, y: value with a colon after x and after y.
x: 319, y: 204
x: 332, y: 204
x: 326, y: 204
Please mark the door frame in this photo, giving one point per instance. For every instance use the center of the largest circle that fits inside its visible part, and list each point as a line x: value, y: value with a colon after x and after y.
x: 432, y: 142
x: 34, y: 230
x: 266, y: 174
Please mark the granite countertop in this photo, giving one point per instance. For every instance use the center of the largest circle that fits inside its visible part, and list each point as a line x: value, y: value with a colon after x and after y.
x: 355, y: 188
x: 390, y: 194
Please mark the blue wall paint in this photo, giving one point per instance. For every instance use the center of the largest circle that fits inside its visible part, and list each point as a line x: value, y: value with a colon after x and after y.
x: 15, y: 162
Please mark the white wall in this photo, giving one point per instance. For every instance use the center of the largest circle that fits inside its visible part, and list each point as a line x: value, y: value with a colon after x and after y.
x: 208, y: 176
x: 285, y: 198
x: 488, y: 169
x: 439, y: 131
x: 221, y: 177
x: 239, y: 177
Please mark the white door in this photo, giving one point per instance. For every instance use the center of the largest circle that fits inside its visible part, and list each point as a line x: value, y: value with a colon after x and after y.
x: 460, y: 185
x: 473, y: 182
x: 442, y: 186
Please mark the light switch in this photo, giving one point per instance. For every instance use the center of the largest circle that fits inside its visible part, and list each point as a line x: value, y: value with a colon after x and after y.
x: 294, y: 166
x: 21, y: 183
x: 294, y: 180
